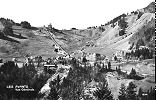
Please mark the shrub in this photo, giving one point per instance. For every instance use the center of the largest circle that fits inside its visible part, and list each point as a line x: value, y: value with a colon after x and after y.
x: 121, y: 32
x: 73, y: 29
x: 135, y: 12
x: 25, y: 24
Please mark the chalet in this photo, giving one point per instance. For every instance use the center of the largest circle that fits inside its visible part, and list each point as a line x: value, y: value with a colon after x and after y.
x: 50, y: 68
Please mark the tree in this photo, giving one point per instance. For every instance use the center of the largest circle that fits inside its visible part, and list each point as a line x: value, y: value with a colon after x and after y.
x: 115, y: 58
x: 122, y: 93
x: 132, y: 73
x: 122, y: 23
x: 84, y: 60
x: 140, y: 92
x: 135, y: 12
x: 139, y: 43
x: 151, y: 94
x: 73, y: 28
x: 122, y: 32
x: 25, y: 24
x: 103, y: 93
x: 140, y: 14
x: 149, y: 33
x: 109, y: 65
x: 131, y: 93
x: 102, y: 28
x: 54, y: 95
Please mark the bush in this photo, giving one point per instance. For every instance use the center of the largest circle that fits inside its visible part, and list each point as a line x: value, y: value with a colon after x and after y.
x: 122, y: 23
x: 73, y: 29
x: 121, y: 32
x: 135, y: 12
x: 18, y: 24
x: 25, y: 24
x: 102, y: 29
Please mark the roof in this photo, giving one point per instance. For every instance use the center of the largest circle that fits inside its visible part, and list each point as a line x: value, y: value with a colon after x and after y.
x: 49, y: 65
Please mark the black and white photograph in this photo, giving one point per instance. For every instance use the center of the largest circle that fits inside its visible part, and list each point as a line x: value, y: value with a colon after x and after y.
x: 77, y: 50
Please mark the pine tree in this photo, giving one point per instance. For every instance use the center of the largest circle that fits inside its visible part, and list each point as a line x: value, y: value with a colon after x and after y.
x: 151, y: 94
x: 132, y: 74
x: 122, y: 93
x: 131, y: 93
x: 140, y: 92
x: 54, y: 95
x: 103, y: 93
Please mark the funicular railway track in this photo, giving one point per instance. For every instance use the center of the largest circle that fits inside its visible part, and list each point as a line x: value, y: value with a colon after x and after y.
x: 52, y: 36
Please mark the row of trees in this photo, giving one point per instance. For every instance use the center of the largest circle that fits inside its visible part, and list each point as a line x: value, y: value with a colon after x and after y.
x: 12, y: 75
x: 115, y: 20
x: 143, y: 54
x: 129, y: 93
x: 132, y: 75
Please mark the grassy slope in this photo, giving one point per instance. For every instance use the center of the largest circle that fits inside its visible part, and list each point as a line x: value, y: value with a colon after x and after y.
x: 31, y: 44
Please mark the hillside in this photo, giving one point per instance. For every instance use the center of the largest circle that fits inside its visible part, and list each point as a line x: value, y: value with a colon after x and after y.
x: 136, y: 24
x: 15, y: 46
x: 104, y: 39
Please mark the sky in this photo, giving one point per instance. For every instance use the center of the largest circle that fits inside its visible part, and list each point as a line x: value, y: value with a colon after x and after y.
x: 66, y: 14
